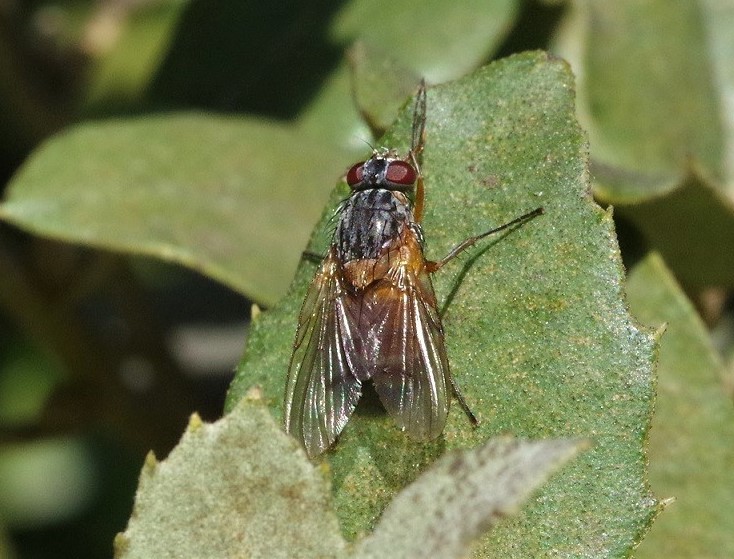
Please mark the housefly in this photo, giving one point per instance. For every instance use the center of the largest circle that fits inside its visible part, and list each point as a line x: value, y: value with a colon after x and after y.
x: 371, y: 313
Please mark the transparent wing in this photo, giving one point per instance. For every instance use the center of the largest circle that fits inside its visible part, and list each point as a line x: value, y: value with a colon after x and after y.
x: 411, y: 372
x: 322, y: 389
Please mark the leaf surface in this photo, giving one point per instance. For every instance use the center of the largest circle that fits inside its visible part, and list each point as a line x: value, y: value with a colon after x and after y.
x: 200, y: 190
x: 691, y: 454
x: 235, y: 488
x: 655, y: 90
x: 462, y: 496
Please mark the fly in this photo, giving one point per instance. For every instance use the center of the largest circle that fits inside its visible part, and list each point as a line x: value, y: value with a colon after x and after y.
x: 371, y: 313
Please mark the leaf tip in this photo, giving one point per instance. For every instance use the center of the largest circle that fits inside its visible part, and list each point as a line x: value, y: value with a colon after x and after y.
x: 120, y: 545
x: 255, y: 312
x: 665, y: 503
x: 658, y: 334
x: 150, y: 464
x: 195, y: 422
x: 254, y: 394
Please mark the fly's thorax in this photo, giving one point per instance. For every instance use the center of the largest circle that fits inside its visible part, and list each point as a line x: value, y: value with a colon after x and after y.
x: 400, y: 261
x: 369, y: 221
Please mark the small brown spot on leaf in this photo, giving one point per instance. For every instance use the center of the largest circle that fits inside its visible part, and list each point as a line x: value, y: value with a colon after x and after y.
x: 491, y: 181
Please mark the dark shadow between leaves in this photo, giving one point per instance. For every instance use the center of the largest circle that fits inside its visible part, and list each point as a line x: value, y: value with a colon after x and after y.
x: 268, y: 58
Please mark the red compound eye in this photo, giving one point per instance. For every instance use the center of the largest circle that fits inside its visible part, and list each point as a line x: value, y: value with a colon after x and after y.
x: 355, y: 174
x: 400, y: 172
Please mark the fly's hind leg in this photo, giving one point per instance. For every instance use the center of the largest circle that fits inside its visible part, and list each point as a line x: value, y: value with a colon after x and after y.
x: 462, y: 246
x: 462, y: 402
x: 434, y: 266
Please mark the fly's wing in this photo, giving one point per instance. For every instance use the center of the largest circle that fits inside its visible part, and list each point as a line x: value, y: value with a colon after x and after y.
x: 322, y: 389
x: 411, y: 372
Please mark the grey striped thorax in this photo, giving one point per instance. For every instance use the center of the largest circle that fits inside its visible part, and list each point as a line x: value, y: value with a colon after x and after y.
x: 368, y: 221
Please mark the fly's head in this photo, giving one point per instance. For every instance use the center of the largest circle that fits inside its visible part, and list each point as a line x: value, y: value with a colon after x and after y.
x: 383, y: 170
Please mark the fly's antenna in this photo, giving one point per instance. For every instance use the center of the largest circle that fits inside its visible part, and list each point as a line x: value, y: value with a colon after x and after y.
x: 369, y: 144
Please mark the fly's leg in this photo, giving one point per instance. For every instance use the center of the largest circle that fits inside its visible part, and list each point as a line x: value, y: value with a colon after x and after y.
x: 314, y: 257
x: 416, y: 149
x: 462, y: 246
x: 418, y: 197
x: 462, y: 402
x: 419, y: 120
x: 434, y: 266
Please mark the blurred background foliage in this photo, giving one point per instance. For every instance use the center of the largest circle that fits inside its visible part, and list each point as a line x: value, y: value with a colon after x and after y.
x: 133, y: 132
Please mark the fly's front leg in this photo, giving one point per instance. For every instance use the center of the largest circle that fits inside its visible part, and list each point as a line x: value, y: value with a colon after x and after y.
x: 418, y: 198
x: 419, y: 120
x: 416, y: 149
x: 314, y: 257
x: 462, y: 246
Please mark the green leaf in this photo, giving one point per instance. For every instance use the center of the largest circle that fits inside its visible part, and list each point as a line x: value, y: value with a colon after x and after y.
x: 462, y: 496
x: 126, y: 48
x: 235, y: 488
x: 27, y: 381
x: 538, y: 335
x: 380, y: 85
x: 30, y: 497
x: 647, y: 87
x: 691, y: 454
x: 433, y: 39
x: 655, y: 89
x: 439, y: 40
x: 233, y: 198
